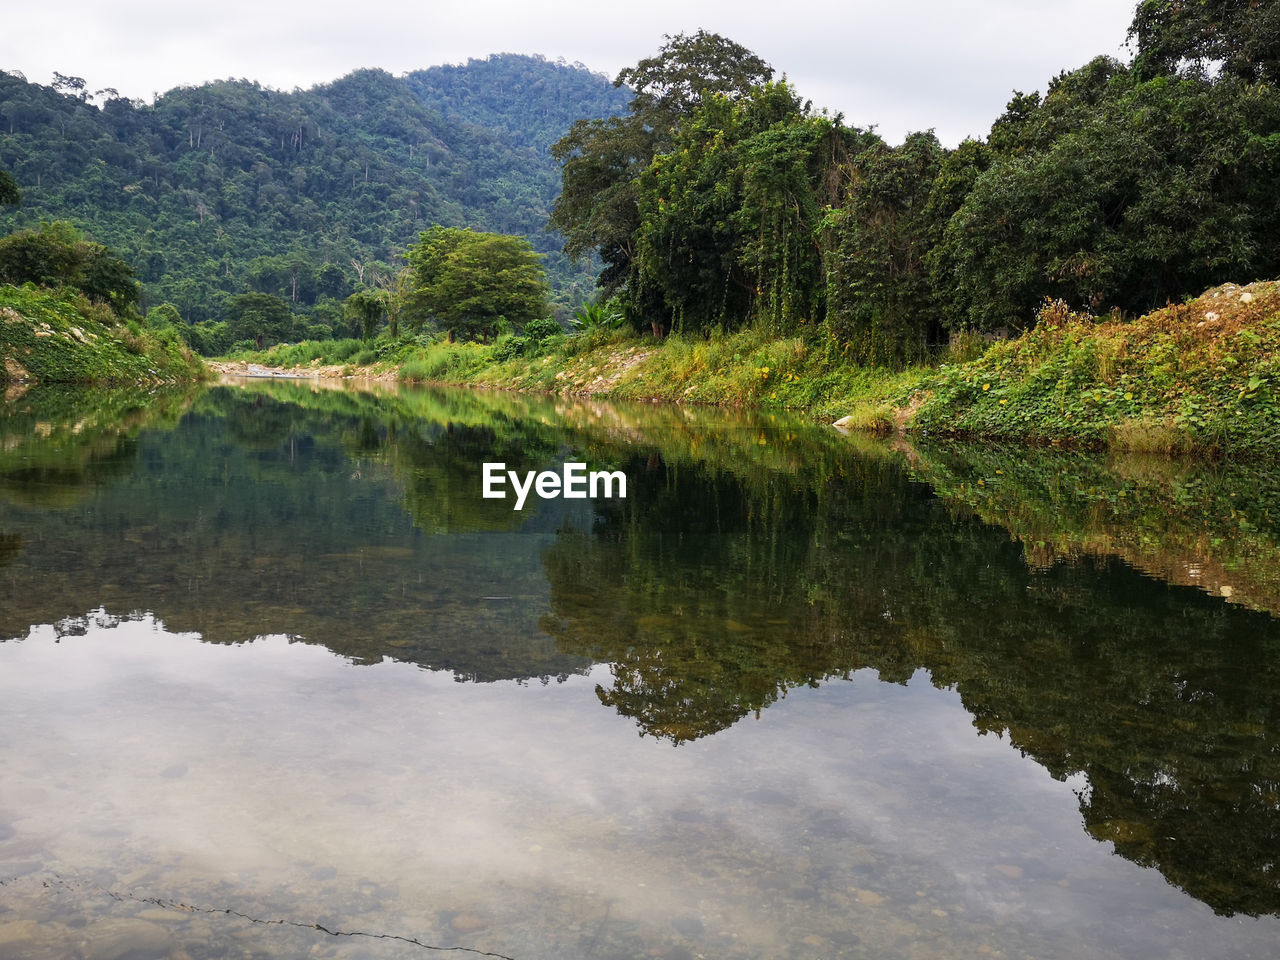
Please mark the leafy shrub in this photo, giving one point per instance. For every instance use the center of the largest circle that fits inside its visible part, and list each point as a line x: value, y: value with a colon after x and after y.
x: 542, y: 329
x: 509, y: 348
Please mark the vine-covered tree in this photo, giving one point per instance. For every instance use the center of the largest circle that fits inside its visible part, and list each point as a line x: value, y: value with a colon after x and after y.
x: 732, y: 214
x: 603, y: 159
x: 883, y: 302
x: 366, y: 309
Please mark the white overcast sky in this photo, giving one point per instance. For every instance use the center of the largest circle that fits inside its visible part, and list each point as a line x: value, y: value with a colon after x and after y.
x: 902, y: 66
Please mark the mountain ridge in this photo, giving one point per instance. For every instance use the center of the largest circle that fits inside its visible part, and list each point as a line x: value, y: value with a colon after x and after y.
x: 229, y: 187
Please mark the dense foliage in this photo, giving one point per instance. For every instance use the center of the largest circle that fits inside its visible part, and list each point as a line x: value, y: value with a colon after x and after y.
x: 597, y: 210
x: 229, y: 188
x: 471, y: 283
x: 1240, y: 37
x: 720, y: 199
x: 57, y: 255
x: 9, y: 193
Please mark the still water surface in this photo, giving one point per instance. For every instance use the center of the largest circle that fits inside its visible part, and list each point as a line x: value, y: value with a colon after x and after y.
x: 275, y: 681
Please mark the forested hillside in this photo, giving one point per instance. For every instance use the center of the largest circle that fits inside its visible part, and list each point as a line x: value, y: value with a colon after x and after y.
x: 229, y: 188
x: 528, y: 100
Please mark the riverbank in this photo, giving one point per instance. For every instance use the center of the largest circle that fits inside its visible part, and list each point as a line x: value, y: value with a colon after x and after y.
x: 1199, y: 378
x: 48, y: 336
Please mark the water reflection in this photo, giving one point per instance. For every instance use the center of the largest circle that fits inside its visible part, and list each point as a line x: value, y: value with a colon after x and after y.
x: 160, y: 782
x: 756, y: 563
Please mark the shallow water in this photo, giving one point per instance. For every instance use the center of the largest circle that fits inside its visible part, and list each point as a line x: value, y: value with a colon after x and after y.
x: 277, y: 682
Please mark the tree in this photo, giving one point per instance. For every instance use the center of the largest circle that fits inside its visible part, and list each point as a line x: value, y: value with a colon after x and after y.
x: 58, y: 255
x: 366, y: 309
x: 467, y: 281
x: 882, y: 302
x: 71, y: 86
x: 1240, y: 37
x: 261, y: 317
x: 602, y: 160
x: 731, y: 215
x: 9, y: 189
x: 209, y: 339
x: 687, y: 72
x: 165, y: 315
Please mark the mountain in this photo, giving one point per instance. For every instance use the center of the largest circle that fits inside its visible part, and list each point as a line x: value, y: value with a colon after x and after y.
x: 229, y: 187
x: 528, y: 100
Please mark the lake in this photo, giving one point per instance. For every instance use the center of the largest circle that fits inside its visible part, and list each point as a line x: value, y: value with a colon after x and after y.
x: 276, y: 680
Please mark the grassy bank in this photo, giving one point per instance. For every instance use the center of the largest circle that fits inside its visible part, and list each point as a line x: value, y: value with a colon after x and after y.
x: 803, y: 374
x: 1200, y: 377
x: 54, y: 337
x: 748, y: 368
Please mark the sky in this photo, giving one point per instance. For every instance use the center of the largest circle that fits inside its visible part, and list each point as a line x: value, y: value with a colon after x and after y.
x: 898, y: 66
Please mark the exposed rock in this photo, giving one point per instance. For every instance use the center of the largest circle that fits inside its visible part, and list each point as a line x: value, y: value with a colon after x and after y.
x: 869, y: 898
x: 14, y: 370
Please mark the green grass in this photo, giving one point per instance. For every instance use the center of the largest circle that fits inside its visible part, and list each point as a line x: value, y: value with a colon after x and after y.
x: 1203, y: 376
x: 742, y: 369
x: 302, y: 354
x: 49, y: 336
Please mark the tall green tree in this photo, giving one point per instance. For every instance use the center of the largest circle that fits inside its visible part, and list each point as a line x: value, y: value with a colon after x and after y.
x: 466, y: 282
x: 685, y: 73
x: 261, y: 317
x: 732, y: 214
x: 366, y: 309
x: 603, y: 159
